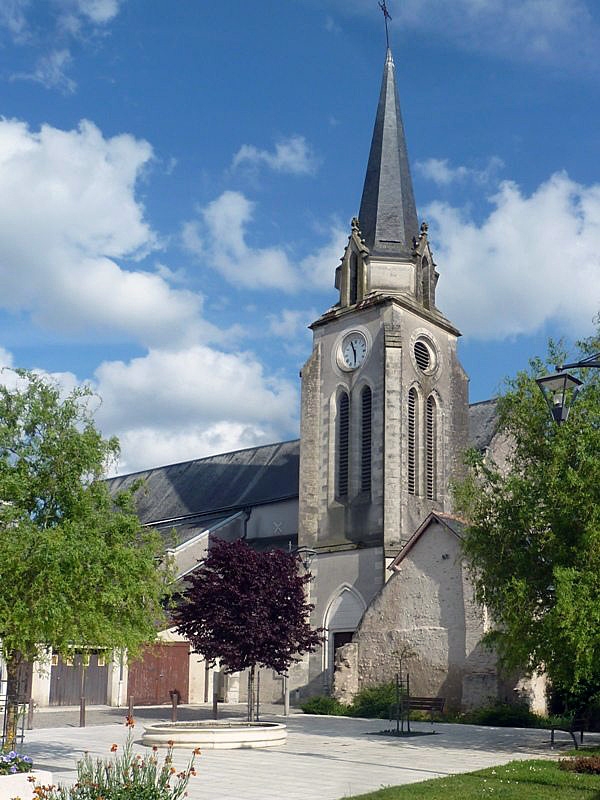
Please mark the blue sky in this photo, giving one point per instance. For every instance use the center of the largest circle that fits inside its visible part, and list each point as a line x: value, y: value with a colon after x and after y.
x: 177, y: 182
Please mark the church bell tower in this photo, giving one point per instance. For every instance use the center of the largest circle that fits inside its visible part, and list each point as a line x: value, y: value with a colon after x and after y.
x: 384, y: 397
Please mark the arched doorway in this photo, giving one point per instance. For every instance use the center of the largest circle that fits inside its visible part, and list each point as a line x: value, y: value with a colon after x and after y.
x: 343, y: 614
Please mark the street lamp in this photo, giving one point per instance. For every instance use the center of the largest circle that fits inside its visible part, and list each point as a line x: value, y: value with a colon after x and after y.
x: 561, y: 389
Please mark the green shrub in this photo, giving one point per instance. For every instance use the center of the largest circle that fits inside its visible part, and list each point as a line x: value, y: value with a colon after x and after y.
x: 323, y: 704
x: 374, y: 701
x: 503, y: 715
x: 587, y: 764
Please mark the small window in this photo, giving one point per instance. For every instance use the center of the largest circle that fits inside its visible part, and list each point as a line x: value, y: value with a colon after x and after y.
x: 343, y: 443
x: 365, y: 464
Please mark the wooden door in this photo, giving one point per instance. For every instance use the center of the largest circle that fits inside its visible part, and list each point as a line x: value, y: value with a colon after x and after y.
x: 163, y: 668
x: 85, y: 673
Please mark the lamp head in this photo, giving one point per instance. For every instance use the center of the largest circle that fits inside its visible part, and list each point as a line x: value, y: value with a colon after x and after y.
x: 560, y: 391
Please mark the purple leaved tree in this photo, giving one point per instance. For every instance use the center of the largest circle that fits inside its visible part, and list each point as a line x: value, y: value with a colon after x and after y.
x: 248, y: 609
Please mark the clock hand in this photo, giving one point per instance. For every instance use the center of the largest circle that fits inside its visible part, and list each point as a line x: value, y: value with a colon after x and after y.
x: 354, y: 351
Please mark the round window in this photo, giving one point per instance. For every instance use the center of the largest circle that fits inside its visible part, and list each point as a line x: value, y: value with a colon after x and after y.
x: 424, y: 356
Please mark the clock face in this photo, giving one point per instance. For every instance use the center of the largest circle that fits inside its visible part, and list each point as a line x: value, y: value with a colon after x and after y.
x: 354, y: 350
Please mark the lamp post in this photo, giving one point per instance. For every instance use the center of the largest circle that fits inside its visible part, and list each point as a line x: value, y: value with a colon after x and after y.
x: 561, y: 388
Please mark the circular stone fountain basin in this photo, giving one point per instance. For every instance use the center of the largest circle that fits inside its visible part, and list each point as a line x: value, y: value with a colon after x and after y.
x: 215, y: 734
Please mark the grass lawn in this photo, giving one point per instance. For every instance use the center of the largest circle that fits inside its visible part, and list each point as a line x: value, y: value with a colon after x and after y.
x: 518, y: 780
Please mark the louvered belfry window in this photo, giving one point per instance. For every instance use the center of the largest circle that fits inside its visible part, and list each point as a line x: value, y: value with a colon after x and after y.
x: 365, y: 460
x: 431, y: 444
x: 412, y: 441
x: 343, y: 444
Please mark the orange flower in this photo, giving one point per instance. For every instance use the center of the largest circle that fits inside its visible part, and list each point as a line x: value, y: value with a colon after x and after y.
x: 193, y: 771
x: 170, y: 742
x: 114, y: 748
x: 129, y: 721
x: 172, y: 770
x: 154, y: 748
x: 197, y: 751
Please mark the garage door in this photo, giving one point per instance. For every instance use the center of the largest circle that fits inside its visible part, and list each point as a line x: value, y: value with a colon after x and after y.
x: 84, y: 674
x: 163, y: 668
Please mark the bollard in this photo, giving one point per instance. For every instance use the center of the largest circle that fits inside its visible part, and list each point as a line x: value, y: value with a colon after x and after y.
x: 82, y: 712
x: 30, y: 716
x: 286, y: 697
x: 215, y: 707
x: 130, y: 707
x: 174, y: 700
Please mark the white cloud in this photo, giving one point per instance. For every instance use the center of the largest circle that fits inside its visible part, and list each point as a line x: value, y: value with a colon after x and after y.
x: 65, y: 21
x: 175, y: 405
x: 291, y: 323
x: 292, y: 156
x: 545, y: 31
x: 68, y: 210
x: 220, y: 241
x: 6, y: 359
x: 535, y: 259
x: 171, y: 405
x: 97, y: 11
x: 290, y: 326
x: 13, y: 17
x: 319, y: 267
x: 440, y: 171
x: 143, y: 448
x: 51, y: 71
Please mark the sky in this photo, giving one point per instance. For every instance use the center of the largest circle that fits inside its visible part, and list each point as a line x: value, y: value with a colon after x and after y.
x: 177, y: 181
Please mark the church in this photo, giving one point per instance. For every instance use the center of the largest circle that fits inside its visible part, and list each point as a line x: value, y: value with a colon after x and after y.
x: 364, y: 494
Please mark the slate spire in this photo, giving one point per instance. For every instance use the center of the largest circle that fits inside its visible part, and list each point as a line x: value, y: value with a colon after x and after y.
x: 388, y: 215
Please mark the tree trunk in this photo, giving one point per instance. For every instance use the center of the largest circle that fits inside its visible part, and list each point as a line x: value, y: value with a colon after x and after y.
x: 251, y: 693
x: 13, y: 692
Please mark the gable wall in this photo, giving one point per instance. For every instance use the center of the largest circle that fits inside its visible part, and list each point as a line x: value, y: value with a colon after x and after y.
x: 427, y: 608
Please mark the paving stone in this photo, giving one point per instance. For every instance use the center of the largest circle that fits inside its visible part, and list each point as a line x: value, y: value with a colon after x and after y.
x: 325, y: 758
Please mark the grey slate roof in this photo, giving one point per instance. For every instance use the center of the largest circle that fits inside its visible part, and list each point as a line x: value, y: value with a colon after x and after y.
x: 483, y: 421
x: 214, y: 487
x: 388, y: 215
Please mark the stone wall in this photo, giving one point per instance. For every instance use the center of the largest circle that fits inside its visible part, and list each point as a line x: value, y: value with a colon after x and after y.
x: 426, y: 617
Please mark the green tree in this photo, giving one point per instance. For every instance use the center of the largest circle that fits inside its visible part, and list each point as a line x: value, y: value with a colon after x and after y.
x: 533, y: 534
x: 77, y: 569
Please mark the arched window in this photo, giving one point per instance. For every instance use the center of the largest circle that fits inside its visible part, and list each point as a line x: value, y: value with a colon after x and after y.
x: 353, y: 279
x: 431, y: 447
x: 365, y: 455
x: 412, y: 441
x: 343, y: 444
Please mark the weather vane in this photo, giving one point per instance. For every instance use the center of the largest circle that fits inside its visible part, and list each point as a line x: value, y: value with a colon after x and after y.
x: 386, y: 16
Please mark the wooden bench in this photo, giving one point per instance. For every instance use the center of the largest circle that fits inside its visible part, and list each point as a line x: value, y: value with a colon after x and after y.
x: 407, y: 704
x: 577, y: 725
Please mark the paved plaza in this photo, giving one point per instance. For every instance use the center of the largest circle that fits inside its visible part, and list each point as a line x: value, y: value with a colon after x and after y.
x: 325, y: 758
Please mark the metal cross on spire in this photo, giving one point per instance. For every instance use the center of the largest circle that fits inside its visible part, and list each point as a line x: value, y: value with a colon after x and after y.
x: 386, y: 17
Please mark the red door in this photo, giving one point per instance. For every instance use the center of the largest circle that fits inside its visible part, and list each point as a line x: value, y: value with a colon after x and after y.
x: 162, y: 669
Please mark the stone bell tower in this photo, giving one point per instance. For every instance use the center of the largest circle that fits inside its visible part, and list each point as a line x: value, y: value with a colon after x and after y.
x: 384, y: 397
